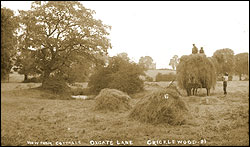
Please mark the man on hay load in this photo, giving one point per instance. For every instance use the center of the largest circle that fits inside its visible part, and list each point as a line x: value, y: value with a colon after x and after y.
x: 194, y: 49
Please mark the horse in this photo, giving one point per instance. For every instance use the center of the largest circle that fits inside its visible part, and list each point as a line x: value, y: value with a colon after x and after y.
x: 192, y: 87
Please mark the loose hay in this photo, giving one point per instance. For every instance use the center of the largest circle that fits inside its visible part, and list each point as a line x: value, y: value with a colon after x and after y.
x: 112, y: 100
x: 162, y: 106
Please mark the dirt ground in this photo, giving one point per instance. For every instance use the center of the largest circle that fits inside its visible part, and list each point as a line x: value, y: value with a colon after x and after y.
x: 28, y: 117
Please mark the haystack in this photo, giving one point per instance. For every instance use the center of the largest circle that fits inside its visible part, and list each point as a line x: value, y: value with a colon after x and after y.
x: 112, y: 100
x: 161, y: 106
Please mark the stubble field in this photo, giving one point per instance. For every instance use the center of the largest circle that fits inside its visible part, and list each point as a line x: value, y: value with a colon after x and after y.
x: 28, y: 117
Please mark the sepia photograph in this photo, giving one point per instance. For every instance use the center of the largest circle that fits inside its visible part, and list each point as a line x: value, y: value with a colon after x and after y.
x: 124, y: 73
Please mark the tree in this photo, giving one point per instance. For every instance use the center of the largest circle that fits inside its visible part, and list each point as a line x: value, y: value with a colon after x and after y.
x: 123, y: 56
x: 120, y: 74
x: 8, y: 41
x: 147, y: 62
x: 25, y: 63
x: 241, y: 64
x: 61, y: 33
x: 225, y: 60
x: 196, y: 71
x: 174, y: 62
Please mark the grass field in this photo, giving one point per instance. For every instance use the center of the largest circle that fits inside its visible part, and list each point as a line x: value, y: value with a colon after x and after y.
x: 28, y: 116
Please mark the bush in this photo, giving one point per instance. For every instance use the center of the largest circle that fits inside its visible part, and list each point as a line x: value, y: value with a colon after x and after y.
x: 126, y: 83
x: 56, y: 85
x: 165, y: 77
x: 99, y: 80
x: 119, y: 74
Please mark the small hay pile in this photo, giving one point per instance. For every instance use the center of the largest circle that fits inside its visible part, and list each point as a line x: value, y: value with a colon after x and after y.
x: 162, y: 106
x: 112, y: 100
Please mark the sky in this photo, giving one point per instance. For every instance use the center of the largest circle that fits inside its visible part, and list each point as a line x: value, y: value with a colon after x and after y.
x: 162, y: 29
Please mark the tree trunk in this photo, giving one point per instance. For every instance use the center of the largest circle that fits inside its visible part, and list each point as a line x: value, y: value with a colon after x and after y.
x: 8, y: 78
x: 45, y: 76
x: 240, y: 76
x: 25, y: 77
x: 208, y: 91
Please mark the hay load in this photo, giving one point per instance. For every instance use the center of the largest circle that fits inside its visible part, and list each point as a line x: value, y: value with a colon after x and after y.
x: 112, y: 100
x: 196, y: 71
x: 161, y: 106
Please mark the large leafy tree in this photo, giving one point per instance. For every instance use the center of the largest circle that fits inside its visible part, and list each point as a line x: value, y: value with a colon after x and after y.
x: 61, y: 33
x: 225, y: 60
x: 241, y: 64
x: 8, y: 40
x: 174, y: 62
x: 147, y: 62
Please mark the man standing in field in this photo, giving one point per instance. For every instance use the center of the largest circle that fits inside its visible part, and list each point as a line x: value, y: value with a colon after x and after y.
x: 225, y: 79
